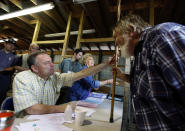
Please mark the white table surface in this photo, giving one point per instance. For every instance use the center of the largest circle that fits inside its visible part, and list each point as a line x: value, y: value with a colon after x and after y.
x: 99, y: 121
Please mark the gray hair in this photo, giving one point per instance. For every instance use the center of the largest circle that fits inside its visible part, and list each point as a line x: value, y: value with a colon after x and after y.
x: 123, y: 26
x: 85, y: 57
x: 32, y: 58
x: 33, y: 44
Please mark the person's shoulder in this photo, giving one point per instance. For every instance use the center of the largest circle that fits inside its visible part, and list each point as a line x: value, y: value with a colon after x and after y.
x: 67, y: 60
x: 26, y: 54
x: 166, y: 27
x: 24, y: 74
x: 84, y: 67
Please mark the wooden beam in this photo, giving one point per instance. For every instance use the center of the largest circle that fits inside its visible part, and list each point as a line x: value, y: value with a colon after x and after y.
x: 49, y: 42
x: 21, y: 25
x: 52, y: 14
x: 96, y: 18
x: 80, y: 30
x: 4, y: 7
x: 47, y: 24
x: 66, y: 39
x: 22, y: 18
x: 16, y: 29
x: 36, y: 31
x: 33, y: 22
x: 151, y: 19
x: 64, y: 11
x: 138, y: 5
x: 111, y: 39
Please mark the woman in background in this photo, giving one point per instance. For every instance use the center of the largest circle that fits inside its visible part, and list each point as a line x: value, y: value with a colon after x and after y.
x: 81, y: 88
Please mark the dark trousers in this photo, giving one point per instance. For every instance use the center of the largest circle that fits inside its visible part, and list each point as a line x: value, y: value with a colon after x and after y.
x: 64, y: 95
x: 5, y: 82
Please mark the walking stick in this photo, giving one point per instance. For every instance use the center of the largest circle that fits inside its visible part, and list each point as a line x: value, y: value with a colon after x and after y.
x: 114, y: 72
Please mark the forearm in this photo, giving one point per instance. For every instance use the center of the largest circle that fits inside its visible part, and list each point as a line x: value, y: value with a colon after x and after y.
x: 125, y: 77
x: 8, y: 69
x: 45, y: 109
x: 102, y: 83
x: 89, y: 71
x: 20, y: 68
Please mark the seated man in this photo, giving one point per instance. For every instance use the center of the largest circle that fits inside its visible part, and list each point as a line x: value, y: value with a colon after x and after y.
x: 35, y: 91
x: 81, y: 88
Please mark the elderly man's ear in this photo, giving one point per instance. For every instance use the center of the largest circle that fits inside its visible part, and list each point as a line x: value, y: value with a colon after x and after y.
x: 34, y: 68
x: 133, y: 32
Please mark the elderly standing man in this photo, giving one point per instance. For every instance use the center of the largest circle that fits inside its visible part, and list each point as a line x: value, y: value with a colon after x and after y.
x: 35, y: 91
x: 157, y: 74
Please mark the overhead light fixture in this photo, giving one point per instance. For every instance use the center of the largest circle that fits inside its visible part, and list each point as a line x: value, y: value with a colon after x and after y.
x: 82, y: 1
x: 30, y: 10
x: 71, y: 33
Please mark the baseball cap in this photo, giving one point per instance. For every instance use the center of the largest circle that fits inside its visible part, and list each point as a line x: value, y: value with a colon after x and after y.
x: 11, y: 41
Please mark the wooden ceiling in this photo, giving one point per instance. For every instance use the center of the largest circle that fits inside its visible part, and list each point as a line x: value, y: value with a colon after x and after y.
x: 100, y: 15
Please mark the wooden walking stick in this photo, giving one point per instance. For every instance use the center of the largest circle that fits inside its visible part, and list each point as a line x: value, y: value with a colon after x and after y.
x: 114, y: 72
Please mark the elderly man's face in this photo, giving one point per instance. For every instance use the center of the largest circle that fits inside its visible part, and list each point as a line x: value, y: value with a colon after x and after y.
x: 44, y: 66
x: 124, y: 42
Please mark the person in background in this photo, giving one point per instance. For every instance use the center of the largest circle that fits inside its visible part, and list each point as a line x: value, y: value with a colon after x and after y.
x: 67, y: 66
x: 35, y: 91
x: 72, y: 64
x: 81, y: 88
x: 32, y: 49
x: 8, y: 61
x: 157, y: 77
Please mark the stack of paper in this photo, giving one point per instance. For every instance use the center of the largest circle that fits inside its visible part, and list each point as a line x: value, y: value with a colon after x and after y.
x: 46, y: 122
x: 98, y: 95
x: 42, y: 126
x: 93, y: 100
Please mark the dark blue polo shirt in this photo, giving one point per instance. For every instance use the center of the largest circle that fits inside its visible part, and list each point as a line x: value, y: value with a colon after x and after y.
x: 6, y: 60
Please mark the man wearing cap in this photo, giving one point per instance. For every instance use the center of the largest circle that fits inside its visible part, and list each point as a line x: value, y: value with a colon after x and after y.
x: 8, y: 61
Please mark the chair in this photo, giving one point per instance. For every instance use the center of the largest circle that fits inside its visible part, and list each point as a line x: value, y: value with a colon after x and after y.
x: 7, y: 104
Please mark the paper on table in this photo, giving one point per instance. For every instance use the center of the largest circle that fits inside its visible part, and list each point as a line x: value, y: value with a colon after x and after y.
x: 50, y: 118
x: 98, y: 95
x: 42, y: 126
x: 93, y: 100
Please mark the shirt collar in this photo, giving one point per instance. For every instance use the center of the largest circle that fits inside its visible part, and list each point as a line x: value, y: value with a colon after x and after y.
x: 139, y: 46
x: 39, y: 78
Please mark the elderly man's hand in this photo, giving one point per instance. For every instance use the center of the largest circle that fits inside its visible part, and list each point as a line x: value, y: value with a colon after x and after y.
x: 120, y: 74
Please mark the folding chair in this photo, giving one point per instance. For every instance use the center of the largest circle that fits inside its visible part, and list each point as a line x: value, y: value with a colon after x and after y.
x: 7, y: 104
